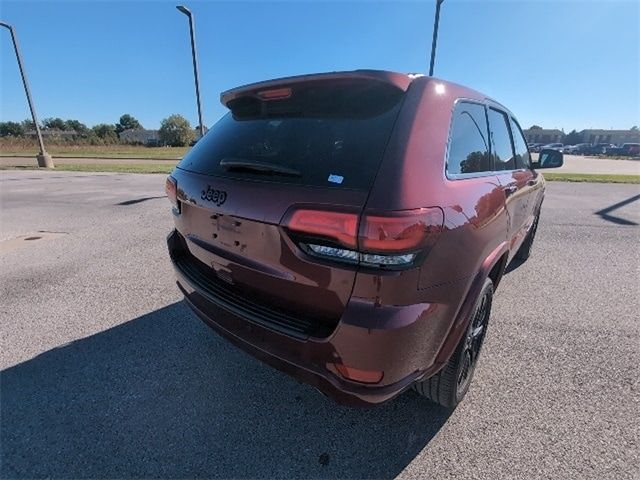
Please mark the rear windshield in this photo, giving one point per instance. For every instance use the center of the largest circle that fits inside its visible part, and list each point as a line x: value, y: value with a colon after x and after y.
x: 320, y: 135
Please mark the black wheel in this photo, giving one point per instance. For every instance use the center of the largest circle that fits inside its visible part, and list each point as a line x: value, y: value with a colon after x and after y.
x: 524, y: 252
x: 449, y: 386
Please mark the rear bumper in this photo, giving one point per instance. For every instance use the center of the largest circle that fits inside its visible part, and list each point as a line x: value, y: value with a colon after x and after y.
x: 401, y: 342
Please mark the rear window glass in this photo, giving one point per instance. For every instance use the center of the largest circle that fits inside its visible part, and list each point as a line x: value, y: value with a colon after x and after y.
x: 523, y: 159
x: 502, y: 147
x: 321, y: 135
x: 469, y: 143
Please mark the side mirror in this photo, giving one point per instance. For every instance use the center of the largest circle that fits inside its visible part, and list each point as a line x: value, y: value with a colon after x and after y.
x: 548, y: 159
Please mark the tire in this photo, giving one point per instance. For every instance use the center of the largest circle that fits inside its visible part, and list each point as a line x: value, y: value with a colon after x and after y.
x: 524, y: 252
x: 449, y: 386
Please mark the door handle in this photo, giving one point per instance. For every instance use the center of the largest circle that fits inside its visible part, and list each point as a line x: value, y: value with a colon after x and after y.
x: 510, y: 190
x: 531, y: 183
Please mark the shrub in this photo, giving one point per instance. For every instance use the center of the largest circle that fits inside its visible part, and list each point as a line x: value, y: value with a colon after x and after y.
x: 11, y: 129
x: 176, y: 131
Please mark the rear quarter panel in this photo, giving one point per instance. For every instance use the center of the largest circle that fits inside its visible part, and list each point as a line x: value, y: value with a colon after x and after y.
x: 475, y: 224
x: 412, y: 175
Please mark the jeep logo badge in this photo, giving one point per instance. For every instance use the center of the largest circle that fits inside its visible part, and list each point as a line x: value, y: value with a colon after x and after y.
x: 215, y: 196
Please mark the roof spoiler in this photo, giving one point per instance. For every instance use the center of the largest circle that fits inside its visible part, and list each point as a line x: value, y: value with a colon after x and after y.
x: 399, y: 80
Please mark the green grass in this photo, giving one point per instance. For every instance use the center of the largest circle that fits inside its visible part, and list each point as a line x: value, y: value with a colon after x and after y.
x: 89, y: 151
x: 592, y: 178
x: 104, y: 167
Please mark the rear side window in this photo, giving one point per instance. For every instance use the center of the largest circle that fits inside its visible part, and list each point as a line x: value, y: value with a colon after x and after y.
x: 321, y: 135
x: 523, y: 159
x: 501, y: 140
x: 469, y: 140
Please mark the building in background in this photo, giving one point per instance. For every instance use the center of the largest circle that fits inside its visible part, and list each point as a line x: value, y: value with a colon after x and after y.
x: 543, y: 135
x: 617, y: 137
x: 53, y: 133
x: 593, y: 136
x: 140, y: 136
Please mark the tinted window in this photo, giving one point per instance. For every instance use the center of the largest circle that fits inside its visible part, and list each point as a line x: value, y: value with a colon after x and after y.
x: 501, y: 140
x: 469, y: 143
x: 331, y: 135
x: 523, y: 160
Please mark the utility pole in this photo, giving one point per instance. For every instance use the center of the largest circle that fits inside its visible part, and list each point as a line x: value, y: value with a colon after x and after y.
x: 194, y: 56
x: 44, y: 159
x: 435, y: 36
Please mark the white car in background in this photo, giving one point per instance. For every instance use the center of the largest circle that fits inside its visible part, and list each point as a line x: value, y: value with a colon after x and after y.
x: 553, y: 146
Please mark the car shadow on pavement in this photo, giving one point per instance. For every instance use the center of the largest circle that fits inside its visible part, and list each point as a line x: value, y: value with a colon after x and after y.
x: 605, y: 213
x: 514, y: 264
x: 163, y: 396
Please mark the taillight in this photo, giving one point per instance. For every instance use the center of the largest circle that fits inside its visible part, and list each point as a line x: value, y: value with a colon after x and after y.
x: 400, y: 231
x: 171, y: 187
x: 383, y: 240
x: 338, y: 226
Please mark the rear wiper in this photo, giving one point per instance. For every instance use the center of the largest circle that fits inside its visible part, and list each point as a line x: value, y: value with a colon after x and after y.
x: 260, y: 167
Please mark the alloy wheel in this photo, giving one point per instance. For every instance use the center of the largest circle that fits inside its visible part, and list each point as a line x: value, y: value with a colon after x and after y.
x: 473, y: 343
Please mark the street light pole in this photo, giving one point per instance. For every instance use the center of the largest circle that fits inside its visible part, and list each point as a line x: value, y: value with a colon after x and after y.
x: 435, y: 36
x: 44, y: 159
x: 194, y: 55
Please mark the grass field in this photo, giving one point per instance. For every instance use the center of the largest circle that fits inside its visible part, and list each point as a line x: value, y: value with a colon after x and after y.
x: 146, y: 167
x: 593, y: 178
x: 99, y: 151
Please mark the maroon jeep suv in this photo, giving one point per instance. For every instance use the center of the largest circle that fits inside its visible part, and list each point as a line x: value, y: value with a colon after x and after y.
x: 350, y: 228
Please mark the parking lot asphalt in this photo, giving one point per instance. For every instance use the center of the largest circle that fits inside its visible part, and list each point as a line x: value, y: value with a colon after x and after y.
x: 105, y: 373
x: 595, y: 165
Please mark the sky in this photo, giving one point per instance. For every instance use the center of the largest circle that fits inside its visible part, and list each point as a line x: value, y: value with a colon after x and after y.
x: 557, y: 64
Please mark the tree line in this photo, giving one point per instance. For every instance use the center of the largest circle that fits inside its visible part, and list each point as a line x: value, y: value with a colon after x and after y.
x: 175, y: 130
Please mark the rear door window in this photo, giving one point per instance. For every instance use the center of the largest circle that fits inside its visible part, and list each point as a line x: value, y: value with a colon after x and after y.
x: 469, y: 140
x: 503, y: 157
x: 321, y: 135
x: 522, y: 158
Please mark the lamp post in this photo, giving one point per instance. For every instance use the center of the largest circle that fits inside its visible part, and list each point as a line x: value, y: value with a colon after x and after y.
x: 435, y: 36
x: 194, y: 55
x: 44, y: 159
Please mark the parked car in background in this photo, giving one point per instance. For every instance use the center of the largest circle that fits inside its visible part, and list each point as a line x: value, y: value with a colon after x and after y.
x: 311, y: 232
x: 578, y: 149
x: 552, y: 146
x: 613, y: 150
x: 598, y: 148
x: 581, y: 149
x: 625, y: 150
x: 535, y: 147
x: 631, y: 149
